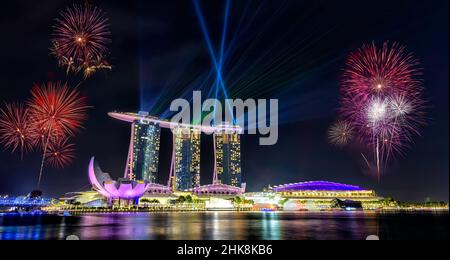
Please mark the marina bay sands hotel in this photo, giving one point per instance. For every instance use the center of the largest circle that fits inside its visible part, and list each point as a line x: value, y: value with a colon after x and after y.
x: 143, y: 154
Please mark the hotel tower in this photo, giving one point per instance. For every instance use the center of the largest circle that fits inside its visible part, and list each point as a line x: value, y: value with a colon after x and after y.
x: 143, y: 158
x: 186, y: 158
x: 228, y: 157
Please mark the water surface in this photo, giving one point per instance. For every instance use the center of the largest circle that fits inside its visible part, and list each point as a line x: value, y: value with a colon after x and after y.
x: 227, y: 226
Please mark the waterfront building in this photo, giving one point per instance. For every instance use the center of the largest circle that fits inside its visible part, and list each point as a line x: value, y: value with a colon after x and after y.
x: 217, y: 190
x: 122, y: 190
x: 87, y: 199
x: 228, y: 157
x: 144, y: 151
x: 186, y: 158
x: 218, y: 204
x: 323, y: 190
x: 142, y: 163
x: 318, y: 195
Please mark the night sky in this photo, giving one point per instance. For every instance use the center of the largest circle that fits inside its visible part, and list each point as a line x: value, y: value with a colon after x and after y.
x: 290, y: 50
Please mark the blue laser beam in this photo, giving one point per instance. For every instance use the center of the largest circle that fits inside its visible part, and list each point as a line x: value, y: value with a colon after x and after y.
x: 221, y: 53
x: 224, y: 34
x: 217, y: 64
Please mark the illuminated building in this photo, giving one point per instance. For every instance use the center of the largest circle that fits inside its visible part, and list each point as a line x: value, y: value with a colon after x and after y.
x: 88, y: 199
x: 144, y: 151
x: 186, y: 158
x: 24, y: 202
x: 323, y: 189
x: 184, y: 175
x: 322, y: 194
x: 217, y: 190
x: 122, y: 190
x: 228, y: 157
x: 227, y: 160
x: 217, y: 204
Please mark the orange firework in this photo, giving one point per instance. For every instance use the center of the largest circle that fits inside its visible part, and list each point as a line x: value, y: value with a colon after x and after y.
x: 95, y: 66
x: 15, y: 128
x: 80, y: 37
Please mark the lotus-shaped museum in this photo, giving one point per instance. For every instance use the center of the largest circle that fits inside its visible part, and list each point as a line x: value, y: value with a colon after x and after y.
x: 122, y: 189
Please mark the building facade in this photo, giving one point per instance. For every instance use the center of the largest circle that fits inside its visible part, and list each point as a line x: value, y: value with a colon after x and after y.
x: 184, y: 175
x: 145, y: 151
x: 318, y: 195
x: 187, y: 158
x: 228, y: 158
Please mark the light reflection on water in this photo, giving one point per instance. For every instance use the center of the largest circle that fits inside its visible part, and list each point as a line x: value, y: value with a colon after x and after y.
x: 226, y: 226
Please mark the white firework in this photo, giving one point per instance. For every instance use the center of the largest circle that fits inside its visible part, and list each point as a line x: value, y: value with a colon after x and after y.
x: 340, y: 133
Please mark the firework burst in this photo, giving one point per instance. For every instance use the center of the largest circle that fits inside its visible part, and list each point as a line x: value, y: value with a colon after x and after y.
x: 40, y: 137
x: 56, y: 111
x: 60, y: 153
x: 381, y: 72
x: 382, y: 99
x: 15, y: 128
x: 80, y: 38
x: 340, y: 133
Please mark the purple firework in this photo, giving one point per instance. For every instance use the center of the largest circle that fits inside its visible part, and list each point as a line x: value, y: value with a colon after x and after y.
x: 382, y: 98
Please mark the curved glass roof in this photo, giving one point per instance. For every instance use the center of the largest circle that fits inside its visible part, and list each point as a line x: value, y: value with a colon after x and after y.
x: 316, y: 185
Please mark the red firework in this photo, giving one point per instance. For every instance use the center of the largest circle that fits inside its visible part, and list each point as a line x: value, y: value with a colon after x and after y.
x: 40, y: 136
x: 60, y: 154
x: 56, y: 110
x: 15, y: 128
x: 378, y: 72
x: 80, y: 37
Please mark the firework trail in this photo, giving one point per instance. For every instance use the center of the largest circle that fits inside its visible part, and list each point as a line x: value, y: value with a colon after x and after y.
x: 80, y: 38
x: 15, y: 128
x: 56, y: 111
x: 39, y: 137
x: 382, y: 99
x: 60, y: 154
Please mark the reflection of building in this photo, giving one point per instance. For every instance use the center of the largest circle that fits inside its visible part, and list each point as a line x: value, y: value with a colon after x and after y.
x: 145, y: 151
x: 187, y: 158
x: 228, y: 158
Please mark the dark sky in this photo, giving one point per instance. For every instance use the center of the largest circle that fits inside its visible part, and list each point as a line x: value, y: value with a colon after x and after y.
x: 290, y: 50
